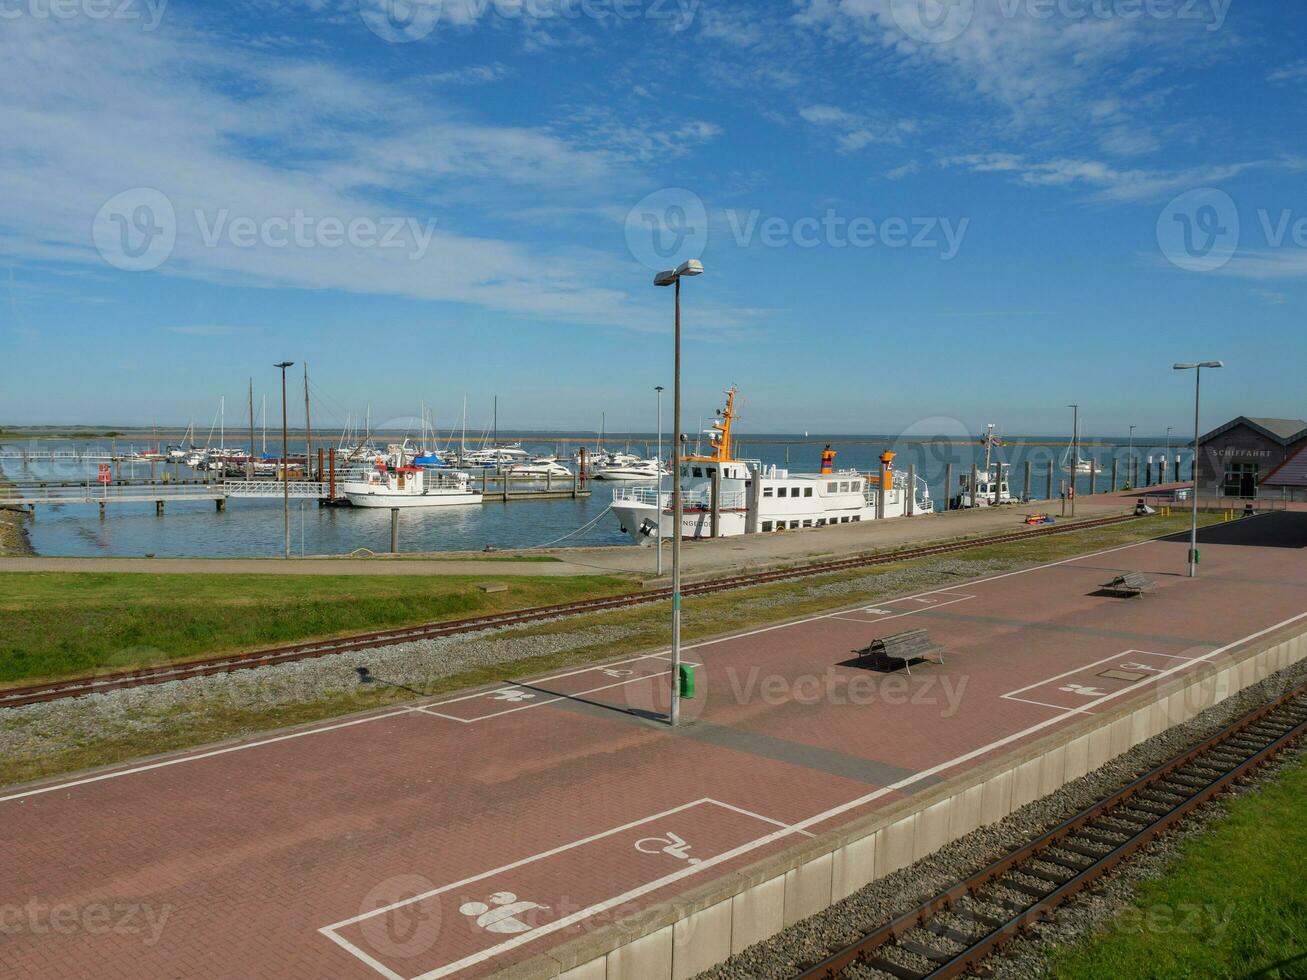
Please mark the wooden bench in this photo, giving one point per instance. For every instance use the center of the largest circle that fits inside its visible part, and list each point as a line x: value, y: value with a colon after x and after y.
x: 1130, y: 584
x: 901, y: 649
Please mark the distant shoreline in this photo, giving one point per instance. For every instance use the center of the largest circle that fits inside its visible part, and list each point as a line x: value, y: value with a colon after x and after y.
x: 329, y: 437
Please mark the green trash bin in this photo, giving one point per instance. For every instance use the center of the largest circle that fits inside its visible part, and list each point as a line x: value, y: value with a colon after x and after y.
x: 687, y: 681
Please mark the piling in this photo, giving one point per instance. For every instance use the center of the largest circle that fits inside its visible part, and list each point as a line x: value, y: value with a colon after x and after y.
x: 331, y: 469
x: 1114, y: 462
x: 1148, y: 473
x: 998, y: 483
x: 1025, y: 487
x: 158, y: 507
x: 1049, y: 494
x: 1093, y: 477
x: 716, y: 503
x: 575, y: 480
x: 910, y: 507
x: 221, y: 504
x: 880, y: 493
x: 972, y: 499
x: 394, y: 530
x: 948, y: 486
x: 101, y: 510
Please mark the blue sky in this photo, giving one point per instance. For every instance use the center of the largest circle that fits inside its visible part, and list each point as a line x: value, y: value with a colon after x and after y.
x: 908, y: 210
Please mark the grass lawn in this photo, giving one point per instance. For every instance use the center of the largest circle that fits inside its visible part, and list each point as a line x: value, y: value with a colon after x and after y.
x: 1234, y: 906
x: 196, y: 611
x: 61, y: 624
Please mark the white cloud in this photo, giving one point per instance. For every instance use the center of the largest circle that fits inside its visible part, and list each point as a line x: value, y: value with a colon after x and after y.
x: 267, y: 134
x: 1296, y: 72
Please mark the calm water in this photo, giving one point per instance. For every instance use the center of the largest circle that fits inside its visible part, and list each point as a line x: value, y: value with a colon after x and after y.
x: 253, y: 527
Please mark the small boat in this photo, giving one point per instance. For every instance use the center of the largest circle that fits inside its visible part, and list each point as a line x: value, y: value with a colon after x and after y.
x: 542, y: 466
x: 1079, y: 465
x: 623, y: 466
x: 408, y: 486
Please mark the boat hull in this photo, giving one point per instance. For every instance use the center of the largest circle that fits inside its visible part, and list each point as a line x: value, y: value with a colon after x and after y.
x: 389, y: 500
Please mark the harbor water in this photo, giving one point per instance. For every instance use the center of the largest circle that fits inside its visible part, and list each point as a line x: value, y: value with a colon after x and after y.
x: 253, y: 527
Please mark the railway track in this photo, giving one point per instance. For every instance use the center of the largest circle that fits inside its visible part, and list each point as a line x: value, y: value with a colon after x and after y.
x: 957, y: 929
x: 98, y: 684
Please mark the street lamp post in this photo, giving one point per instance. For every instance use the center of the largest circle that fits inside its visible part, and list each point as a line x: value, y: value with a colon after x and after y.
x: 1130, y: 459
x: 658, y: 495
x: 1168, y: 453
x: 1197, y: 368
x: 285, y: 471
x: 690, y: 267
x: 1075, y: 453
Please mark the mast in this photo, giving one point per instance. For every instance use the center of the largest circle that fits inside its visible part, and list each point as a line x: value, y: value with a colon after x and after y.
x: 308, y: 428
x: 249, y: 462
x: 462, y: 439
x: 495, y: 422
x: 265, y: 425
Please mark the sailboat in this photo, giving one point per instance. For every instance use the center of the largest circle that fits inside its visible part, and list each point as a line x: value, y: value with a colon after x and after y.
x: 1079, y: 465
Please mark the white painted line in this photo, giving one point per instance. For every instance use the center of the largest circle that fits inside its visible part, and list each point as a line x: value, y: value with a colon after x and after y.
x: 408, y: 710
x: 1096, y: 663
x: 929, y: 607
x: 569, y: 920
x: 548, y: 700
x: 202, y: 755
x: 1056, y: 707
x: 1025, y: 732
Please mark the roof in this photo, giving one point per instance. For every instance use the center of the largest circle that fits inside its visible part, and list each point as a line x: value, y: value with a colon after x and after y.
x: 1284, y: 431
x: 1291, y: 473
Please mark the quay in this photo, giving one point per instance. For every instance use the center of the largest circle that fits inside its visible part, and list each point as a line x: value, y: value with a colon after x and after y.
x: 375, y: 845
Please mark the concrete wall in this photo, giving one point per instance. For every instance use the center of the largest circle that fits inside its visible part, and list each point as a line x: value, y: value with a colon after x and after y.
x: 689, y: 934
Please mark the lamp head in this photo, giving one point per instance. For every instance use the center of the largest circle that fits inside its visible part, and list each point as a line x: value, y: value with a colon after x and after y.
x: 665, y: 278
x: 284, y: 364
x: 690, y: 267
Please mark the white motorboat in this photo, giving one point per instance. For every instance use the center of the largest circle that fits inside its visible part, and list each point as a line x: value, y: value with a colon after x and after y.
x: 541, y: 466
x: 990, y: 489
x: 624, y: 466
x: 408, y: 486
x: 753, y: 498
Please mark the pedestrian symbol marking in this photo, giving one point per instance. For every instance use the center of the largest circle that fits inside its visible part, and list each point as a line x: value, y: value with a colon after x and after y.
x: 500, y: 912
x: 514, y: 695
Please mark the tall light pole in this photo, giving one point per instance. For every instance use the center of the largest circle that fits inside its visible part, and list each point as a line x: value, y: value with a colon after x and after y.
x: 1168, y: 453
x: 285, y: 473
x: 1197, y: 368
x: 658, y: 495
x: 1130, y: 458
x: 1075, y: 453
x: 690, y: 267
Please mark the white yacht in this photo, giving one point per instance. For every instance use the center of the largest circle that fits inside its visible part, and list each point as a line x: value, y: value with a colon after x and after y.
x: 408, y: 486
x: 624, y: 466
x: 541, y: 466
x: 753, y: 498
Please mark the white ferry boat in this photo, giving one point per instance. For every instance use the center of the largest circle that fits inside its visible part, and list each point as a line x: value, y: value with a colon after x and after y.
x: 408, y: 486
x: 758, y: 498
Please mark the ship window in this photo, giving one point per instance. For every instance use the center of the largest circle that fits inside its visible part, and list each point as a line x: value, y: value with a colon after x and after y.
x: 698, y: 471
x: 844, y: 520
x: 766, y: 491
x: 794, y: 524
x: 807, y: 523
x: 844, y: 487
x: 857, y: 518
x: 780, y: 491
x: 766, y: 525
x: 807, y: 491
x: 833, y: 488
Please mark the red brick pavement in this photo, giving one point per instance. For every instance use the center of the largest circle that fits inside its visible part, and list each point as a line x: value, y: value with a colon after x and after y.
x: 489, y: 826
